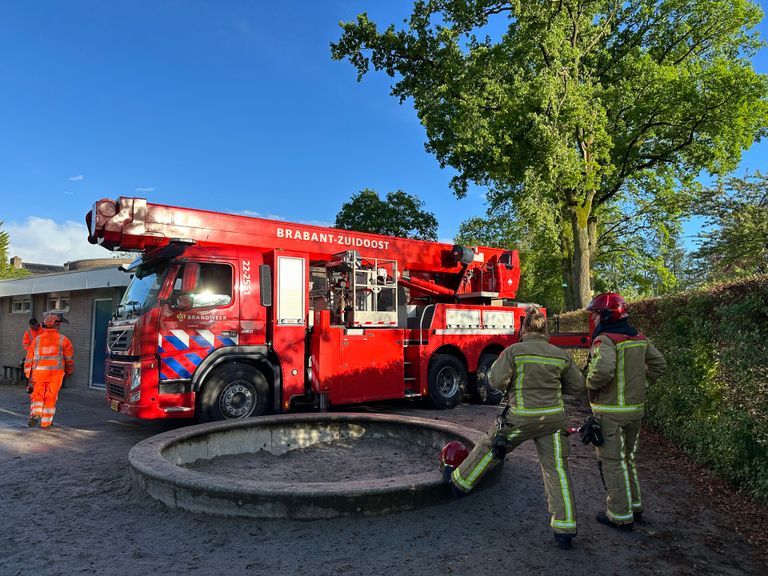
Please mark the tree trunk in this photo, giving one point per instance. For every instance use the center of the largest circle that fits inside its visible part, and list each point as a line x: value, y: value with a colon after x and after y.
x: 580, y: 264
x: 566, y: 255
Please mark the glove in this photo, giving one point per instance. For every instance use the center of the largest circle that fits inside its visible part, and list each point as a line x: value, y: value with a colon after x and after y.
x: 29, y: 388
x: 590, y: 431
x: 499, y: 447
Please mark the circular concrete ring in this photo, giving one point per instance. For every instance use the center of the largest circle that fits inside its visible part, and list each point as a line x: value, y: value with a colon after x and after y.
x: 157, y: 466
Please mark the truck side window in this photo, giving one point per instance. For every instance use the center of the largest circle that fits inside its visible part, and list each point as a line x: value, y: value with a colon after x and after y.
x: 213, y: 288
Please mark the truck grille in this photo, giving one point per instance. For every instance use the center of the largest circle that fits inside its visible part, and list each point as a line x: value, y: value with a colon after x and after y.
x: 118, y: 371
x: 116, y: 391
x: 120, y: 339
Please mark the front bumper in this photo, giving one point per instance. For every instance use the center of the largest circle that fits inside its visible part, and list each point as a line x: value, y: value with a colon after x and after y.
x: 132, y: 389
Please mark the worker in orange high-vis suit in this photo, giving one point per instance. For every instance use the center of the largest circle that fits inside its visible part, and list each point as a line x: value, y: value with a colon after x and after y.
x: 29, y: 335
x: 49, y: 359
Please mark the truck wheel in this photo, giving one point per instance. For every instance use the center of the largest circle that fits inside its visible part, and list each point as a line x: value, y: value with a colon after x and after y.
x: 481, y: 390
x: 233, y: 391
x: 447, y: 381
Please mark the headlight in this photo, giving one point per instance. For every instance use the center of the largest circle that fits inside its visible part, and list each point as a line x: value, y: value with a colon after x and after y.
x: 135, y: 396
x: 135, y: 376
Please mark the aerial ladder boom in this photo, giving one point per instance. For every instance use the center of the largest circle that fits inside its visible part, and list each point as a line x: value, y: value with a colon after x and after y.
x: 133, y: 224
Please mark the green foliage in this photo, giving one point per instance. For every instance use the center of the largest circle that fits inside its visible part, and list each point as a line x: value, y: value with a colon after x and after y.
x: 6, y: 270
x: 602, y: 108
x: 737, y: 243
x: 401, y: 214
x: 713, y: 400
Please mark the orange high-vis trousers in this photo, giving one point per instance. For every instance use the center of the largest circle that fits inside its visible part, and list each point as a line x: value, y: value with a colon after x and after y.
x: 45, y: 391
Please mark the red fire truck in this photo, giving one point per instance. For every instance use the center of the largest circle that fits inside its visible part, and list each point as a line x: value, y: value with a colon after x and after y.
x: 229, y: 316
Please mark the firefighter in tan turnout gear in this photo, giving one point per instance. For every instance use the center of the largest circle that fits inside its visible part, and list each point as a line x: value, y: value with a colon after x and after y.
x: 534, y: 375
x: 621, y: 361
x: 49, y: 359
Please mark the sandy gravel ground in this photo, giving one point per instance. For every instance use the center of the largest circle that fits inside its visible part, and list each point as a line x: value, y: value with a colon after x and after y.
x: 67, y: 507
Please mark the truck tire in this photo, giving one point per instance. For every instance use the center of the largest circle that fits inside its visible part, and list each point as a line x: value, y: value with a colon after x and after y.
x: 233, y: 391
x: 447, y: 381
x: 482, y: 392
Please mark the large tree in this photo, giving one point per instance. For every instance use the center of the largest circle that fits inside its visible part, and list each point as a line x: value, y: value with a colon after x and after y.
x: 7, y: 271
x: 736, y: 240
x: 400, y: 214
x: 589, y: 105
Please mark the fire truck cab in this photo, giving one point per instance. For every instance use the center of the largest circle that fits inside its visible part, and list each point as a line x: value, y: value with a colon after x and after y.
x: 228, y: 316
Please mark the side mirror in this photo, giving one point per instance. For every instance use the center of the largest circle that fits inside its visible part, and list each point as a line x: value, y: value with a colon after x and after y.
x: 182, y: 302
x: 189, y: 279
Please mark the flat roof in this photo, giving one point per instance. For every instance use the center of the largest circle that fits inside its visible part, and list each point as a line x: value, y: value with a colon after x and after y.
x: 65, y: 282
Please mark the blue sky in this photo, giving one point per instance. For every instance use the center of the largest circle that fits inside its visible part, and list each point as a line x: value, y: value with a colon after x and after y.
x: 227, y: 105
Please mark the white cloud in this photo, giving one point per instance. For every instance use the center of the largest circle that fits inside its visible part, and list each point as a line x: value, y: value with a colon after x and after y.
x: 76, y: 178
x: 44, y: 241
x: 145, y: 189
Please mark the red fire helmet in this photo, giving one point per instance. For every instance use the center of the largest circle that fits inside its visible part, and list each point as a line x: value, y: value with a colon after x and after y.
x: 453, y: 454
x: 610, y: 306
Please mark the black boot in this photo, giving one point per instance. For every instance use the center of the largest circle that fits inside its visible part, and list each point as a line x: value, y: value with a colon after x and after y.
x: 602, y: 518
x: 563, y: 541
x: 638, y: 517
x: 33, y: 421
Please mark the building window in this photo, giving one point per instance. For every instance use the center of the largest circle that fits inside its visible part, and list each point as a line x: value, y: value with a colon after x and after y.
x: 21, y: 304
x: 58, y: 302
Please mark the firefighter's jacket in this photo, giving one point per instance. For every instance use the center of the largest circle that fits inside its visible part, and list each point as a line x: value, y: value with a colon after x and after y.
x: 619, y: 367
x: 29, y: 335
x: 49, y: 352
x: 535, y: 374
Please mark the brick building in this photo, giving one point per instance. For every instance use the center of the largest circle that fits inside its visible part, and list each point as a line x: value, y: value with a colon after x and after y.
x: 86, y: 293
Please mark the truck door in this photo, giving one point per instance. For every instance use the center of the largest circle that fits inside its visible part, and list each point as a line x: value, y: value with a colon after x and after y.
x: 289, y: 320
x: 200, y: 315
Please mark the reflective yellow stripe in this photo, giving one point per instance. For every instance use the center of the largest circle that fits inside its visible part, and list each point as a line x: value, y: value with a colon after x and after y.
x: 470, y: 480
x: 533, y: 359
x: 536, y: 411
x: 569, y: 521
x: 519, y: 384
x: 613, y: 408
x: 636, y: 504
x: 628, y: 515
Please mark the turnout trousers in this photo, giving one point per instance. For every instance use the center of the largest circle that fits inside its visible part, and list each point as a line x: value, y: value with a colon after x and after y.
x: 553, y: 449
x: 45, y: 391
x: 618, y: 466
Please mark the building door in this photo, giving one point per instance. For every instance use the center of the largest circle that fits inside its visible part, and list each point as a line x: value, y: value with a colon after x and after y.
x: 102, y: 311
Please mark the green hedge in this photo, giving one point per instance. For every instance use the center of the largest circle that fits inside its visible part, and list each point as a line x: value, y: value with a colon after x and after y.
x: 713, y: 400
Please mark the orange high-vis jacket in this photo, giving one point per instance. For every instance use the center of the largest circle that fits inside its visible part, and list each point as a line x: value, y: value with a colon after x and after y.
x: 29, y: 335
x: 50, y: 351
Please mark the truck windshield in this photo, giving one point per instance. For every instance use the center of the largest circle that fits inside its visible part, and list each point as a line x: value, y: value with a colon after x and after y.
x: 143, y: 290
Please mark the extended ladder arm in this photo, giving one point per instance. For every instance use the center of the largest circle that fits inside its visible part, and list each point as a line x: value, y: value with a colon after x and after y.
x: 133, y: 224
